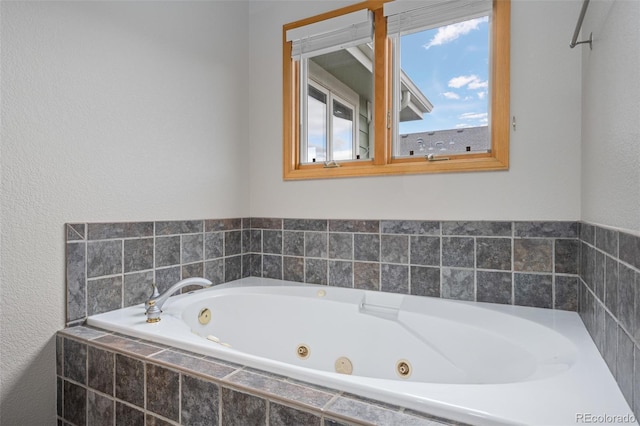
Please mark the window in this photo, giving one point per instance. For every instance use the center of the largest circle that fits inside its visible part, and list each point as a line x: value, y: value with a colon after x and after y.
x: 355, y: 98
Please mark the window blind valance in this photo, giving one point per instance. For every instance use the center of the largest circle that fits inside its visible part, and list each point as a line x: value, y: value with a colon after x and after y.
x: 331, y: 34
x: 406, y: 17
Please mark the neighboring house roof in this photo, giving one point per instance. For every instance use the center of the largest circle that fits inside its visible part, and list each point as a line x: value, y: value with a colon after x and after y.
x: 445, y: 141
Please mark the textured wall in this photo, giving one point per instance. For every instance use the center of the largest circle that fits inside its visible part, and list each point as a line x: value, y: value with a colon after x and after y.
x: 611, y: 107
x: 542, y: 184
x: 110, y: 111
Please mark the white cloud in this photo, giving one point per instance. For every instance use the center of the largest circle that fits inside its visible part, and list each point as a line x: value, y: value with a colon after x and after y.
x: 482, y: 116
x: 472, y: 82
x: 482, y: 95
x: 451, y: 95
x: 451, y: 32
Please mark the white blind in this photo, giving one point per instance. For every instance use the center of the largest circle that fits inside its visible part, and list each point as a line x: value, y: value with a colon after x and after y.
x: 332, y: 34
x: 405, y: 17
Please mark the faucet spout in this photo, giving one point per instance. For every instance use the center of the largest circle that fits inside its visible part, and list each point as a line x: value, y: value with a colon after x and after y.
x: 153, y: 306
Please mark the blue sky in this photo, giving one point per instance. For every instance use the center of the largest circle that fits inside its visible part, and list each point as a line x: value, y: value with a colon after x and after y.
x: 450, y: 65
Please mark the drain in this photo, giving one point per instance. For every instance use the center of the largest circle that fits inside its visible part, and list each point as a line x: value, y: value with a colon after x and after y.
x: 343, y: 365
x: 303, y: 351
x: 204, y: 316
x: 403, y: 368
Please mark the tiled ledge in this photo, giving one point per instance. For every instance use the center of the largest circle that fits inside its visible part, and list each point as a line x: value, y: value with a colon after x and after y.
x: 105, y: 377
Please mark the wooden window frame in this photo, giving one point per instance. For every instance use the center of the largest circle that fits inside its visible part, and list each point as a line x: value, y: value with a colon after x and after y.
x: 383, y: 162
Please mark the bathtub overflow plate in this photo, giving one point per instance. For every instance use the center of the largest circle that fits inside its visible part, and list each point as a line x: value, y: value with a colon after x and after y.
x: 303, y: 351
x: 204, y: 316
x: 343, y: 365
x: 403, y: 368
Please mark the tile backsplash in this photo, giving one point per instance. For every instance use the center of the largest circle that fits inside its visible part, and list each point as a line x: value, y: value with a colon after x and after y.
x: 112, y: 265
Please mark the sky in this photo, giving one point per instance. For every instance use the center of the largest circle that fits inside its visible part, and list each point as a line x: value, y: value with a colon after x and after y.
x: 450, y: 65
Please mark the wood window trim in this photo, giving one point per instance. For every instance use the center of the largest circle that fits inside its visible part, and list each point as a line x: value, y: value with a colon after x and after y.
x: 383, y: 164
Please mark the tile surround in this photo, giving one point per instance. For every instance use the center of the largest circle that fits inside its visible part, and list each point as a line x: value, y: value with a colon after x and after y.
x: 609, y: 302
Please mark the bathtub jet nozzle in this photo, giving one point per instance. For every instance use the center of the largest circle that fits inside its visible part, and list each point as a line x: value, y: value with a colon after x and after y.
x: 154, y: 304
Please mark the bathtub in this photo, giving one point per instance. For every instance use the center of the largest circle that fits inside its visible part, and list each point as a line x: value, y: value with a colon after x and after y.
x: 479, y: 363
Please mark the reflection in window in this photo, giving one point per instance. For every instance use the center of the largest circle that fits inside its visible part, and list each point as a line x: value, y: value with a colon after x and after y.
x: 316, y: 125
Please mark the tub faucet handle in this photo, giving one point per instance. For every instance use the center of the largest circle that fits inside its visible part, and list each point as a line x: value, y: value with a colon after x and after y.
x: 154, y: 295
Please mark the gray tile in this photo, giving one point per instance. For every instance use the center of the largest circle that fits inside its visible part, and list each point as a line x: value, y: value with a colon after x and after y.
x: 246, y: 240
x: 315, y: 244
x: 75, y: 361
x: 494, y: 287
x: 340, y: 273
x: 232, y: 268
x: 163, y: 391
x: 105, y: 231
x: 266, y: 223
x: 458, y: 252
x: 104, y: 258
x: 457, y: 284
x: 167, y: 251
x: 315, y: 271
x: 101, y: 365
x: 363, y: 226
x: 425, y: 281
x: 610, y: 354
x: 59, y: 397
x: 75, y: 403
x: 179, y: 227
x: 192, y: 248
x: 216, y: 225
x: 598, y: 274
x: 533, y: 255
x: 394, y: 248
x: 255, y: 240
x: 138, y: 254
x: 76, y: 231
x: 199, y: 402
x: 214, y: 271
x: 293, y: 268
x: 272, y: 266
x: 546, y: 229
x: 340, y: 246
x: 213, y: 245
x: 636, y: 381
x: 366, y: 276
x: 624, y: 365
x: 127, y: 345
x: 587, y: 233
x: 232, y: 243
x: 626, y: 298
x: 280, y: 415
x: 104, y: 294
x: 166, y: 277
x: 251, y: 265
x: 365, y: 413
x: 241, y: 409
x: 192, y: 270
x: 85, y: 333
x: 128, y: 416
x: 76, y: 281
x: 394, y: 278
x: 611, y: 285
x: 630, y: 249
x: 607, y: 240
x: 137, y: 288
x: 293, y: 243
x: 566, y: 296
x: 413, y: 227
x: 193, y: 364
x: 152, y: 420
x: 100, y: 410
x: 305, y: 224
x: 424, y: 251
x: 598, y: 327
x: 566, y: 256
x: 59, y: 355
x: 272, y: 242
x: 366, y: 247
x: 129, y: 380
x: 477, y: 228
x: 533, y: 290
x: 493, y: 253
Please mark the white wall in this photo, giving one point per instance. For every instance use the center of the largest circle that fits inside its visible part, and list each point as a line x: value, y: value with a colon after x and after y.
x: 543, y: 182
x: 111, y: 111
x: 611, y: 115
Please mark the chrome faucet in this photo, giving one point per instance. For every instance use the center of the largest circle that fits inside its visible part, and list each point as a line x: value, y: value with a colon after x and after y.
x: 153, y: 306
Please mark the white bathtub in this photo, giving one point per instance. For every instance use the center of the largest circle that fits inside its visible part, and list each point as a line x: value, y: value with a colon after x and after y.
x: 480, y: 363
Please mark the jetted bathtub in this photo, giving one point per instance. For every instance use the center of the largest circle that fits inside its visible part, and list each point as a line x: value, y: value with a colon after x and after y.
x: 480, y: 363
